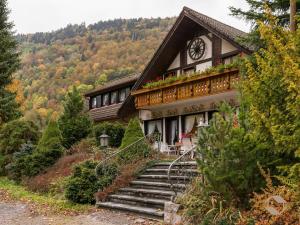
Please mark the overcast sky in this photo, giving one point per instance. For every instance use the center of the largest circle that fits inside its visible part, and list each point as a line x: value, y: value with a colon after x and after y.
x: 46, y: 15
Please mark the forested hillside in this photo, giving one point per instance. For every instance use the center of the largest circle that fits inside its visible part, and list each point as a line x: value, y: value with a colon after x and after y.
x: 83, y: 56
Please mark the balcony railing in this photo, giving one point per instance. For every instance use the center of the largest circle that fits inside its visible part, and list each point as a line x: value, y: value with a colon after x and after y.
x: 189, y: 88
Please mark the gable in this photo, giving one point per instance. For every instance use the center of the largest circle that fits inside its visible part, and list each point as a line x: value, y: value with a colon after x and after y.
x: 219, y: 38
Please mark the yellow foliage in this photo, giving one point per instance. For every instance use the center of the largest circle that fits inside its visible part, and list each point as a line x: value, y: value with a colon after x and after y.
x: 16, y: 87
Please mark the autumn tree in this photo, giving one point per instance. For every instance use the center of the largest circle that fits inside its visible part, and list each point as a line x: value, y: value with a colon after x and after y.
x: 9, y: 61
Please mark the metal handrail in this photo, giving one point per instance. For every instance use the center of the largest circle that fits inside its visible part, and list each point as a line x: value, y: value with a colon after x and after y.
x: 174, y: 162
x: 121, y: 150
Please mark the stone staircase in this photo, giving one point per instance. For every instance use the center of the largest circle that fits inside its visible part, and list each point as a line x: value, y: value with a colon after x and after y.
x: 148, y: 193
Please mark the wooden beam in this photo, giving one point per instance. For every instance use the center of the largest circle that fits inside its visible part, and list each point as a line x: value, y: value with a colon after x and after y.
x: 216, y: 50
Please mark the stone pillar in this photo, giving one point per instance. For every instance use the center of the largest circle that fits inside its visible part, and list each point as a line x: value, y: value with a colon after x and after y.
x: 206, y: 117
x: 164, y: 131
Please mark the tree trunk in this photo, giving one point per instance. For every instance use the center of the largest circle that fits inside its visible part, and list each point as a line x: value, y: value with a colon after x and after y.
x: 293, y: 15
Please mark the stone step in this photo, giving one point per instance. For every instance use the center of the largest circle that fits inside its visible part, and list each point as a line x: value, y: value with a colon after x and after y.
x: 186, y: 163
x: 156, y: 184
x: 132, y: 208
x: 147, y: 191
x: 164, y: 170
x: 138, y: 199
x: 155, y: 176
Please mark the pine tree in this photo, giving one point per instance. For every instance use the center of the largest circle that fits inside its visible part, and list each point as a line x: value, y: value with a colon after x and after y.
x: 9, y: 63
x: 279, y: 8
x: 74, y: 124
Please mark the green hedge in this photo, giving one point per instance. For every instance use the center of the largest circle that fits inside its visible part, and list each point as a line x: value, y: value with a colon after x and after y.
x: 31, y: 160
x: 114, y: 130
x: 84, y: 182
x: 15, y: 133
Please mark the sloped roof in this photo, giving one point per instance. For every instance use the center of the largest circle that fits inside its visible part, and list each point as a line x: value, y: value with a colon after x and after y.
x: 113, y: 84
x: 224, y: 29
x: 105, y: 113
x: 216, y: 27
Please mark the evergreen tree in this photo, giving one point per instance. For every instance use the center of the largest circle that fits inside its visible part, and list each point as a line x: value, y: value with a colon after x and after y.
x: 279, y: 8
x: 9, y: 61
x: 50, y: 138
x: 229, y: 158
x: 74, y: 124
x: 140, y: 149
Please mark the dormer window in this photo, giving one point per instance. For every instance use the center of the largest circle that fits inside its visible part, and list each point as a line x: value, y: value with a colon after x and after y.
x: 122, y: 95
x: 93, y: 102
x: 113, y: 97
x: 105, y: 99
x: 99, y: 101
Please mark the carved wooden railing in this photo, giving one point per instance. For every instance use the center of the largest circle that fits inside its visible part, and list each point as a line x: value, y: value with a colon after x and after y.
x: 193, y: 87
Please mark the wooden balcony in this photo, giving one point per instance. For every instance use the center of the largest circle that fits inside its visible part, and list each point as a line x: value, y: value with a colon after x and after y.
x: 190, y: 88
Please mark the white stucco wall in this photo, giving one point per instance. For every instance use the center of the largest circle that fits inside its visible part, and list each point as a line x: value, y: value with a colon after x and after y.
x: 203, y: 66
x: 175, y: 63
x: 207, y: 53
x: 227, y: 47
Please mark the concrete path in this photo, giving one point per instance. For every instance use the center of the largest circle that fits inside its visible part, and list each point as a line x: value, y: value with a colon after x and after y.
x: 12, y: 213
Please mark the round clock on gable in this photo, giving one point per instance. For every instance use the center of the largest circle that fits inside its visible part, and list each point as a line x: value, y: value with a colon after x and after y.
x: 196, y: 48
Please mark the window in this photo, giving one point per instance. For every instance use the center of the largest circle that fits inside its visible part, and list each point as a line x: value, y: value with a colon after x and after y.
x: 127, y: 91
x: 122, y: 95
x: 230, y: 59
x: 153, y: 126
x: 113, y: 97
x: 191, y: 122
x: 99, y: 101
x: 93, y: 102
x: 105, y: 99
x: 189, y: 71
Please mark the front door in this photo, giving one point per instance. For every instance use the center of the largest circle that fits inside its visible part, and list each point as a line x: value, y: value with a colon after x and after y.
x: 172, y: 131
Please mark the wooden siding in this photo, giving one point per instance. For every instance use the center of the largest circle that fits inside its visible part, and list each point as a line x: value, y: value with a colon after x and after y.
x: 180, y: 90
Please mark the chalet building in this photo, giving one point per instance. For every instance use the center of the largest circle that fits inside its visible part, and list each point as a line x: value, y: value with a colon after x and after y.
x: 106, y: 101
x: 186, y: 92
x: 189, y: 74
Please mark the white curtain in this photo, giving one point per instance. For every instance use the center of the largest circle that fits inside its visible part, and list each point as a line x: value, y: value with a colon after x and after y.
x: 190, y: 121
x: 152, y: 125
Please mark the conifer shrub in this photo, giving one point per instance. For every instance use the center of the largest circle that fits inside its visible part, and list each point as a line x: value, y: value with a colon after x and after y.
x: 74, y: 124
x: 229, y: 158
x: 132, y: 134
x: 16, y: 169
x: 15, y: 133
x: 114, y: 130
x: 84, y: 183
x: 31, y: 160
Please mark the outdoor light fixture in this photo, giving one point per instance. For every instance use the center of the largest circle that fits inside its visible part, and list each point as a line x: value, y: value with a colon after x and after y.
x: 104, y: 139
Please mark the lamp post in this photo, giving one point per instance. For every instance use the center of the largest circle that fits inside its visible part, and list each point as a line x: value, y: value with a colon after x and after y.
x: 104, y: 140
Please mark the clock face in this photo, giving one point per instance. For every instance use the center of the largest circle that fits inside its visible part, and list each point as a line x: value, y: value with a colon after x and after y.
x: 196, y: 48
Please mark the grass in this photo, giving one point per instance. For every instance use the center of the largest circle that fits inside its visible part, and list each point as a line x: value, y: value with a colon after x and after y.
x: 42, y: 202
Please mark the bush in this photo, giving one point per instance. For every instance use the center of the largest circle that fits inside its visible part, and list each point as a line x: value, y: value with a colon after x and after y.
x: 132, y: 134
x: 203, y: 209
x: 229, y: 159
x: 15, y: 133
x: 114, y: 130
x: 84, y: 183
x: 50, y: 138
x: 19, y: 162
x: 74, y: 124
x: 32, y: 160
x: 40, y: 160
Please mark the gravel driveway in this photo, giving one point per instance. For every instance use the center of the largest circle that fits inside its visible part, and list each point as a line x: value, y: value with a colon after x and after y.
x: 19, y: 214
